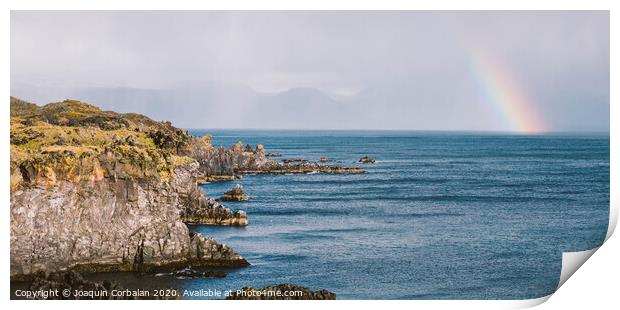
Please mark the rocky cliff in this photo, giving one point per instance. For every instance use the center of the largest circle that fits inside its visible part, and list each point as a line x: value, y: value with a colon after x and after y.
x: 95, y: 190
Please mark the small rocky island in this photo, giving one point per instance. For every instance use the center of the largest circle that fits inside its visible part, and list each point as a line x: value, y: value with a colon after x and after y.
x: 366, y: 160
x: 100, y: 191
x: 235, y: 194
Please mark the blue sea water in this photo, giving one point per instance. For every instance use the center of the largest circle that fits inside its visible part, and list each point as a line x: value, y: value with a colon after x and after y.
x: 438, y: 216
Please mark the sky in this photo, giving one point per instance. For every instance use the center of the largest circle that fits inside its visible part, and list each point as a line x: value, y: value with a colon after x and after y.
x: 521, y: 71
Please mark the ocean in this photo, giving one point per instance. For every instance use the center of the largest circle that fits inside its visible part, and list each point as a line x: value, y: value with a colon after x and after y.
x: 440, y: 215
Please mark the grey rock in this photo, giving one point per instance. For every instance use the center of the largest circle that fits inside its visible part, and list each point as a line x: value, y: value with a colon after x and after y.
x: 114, y: 224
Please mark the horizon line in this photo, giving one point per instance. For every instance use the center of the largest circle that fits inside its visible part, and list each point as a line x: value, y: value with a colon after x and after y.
x: 412, y: 130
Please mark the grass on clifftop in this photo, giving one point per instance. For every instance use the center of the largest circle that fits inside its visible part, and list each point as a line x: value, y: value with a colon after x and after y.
x: 69, y: 139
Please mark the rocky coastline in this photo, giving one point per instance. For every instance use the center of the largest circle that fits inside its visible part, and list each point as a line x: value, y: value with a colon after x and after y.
x: 222, y: 164
x: 100, y: 191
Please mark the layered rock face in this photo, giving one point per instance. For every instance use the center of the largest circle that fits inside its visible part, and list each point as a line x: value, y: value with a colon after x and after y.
x: 110, y: 223
x: 101, y: 191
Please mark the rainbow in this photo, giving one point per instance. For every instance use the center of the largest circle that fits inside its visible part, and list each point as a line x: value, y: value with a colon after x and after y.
x: 515, y: 109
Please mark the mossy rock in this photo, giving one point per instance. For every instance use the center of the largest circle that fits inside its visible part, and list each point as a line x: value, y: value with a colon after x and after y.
x: 70, y: 138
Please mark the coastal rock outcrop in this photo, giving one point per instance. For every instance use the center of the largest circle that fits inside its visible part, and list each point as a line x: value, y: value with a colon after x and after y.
x: 299, y: 167
x: 221, y: 164
x: 100, y: 191
x: 209, y: 211
x: 281, y: 292
x: 235, y: 194
x: 366, y: 160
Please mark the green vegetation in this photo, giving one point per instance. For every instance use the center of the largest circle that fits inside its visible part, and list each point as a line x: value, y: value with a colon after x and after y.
x: 72, y: 140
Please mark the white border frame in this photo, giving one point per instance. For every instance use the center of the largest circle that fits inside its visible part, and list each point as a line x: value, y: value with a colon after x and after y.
x: 578, y: 293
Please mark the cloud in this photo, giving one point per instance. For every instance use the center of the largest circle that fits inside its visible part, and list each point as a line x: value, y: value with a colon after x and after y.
x: 405, y: 69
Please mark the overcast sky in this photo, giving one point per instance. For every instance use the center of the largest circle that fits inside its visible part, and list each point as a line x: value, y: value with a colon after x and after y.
x: 393, y: 70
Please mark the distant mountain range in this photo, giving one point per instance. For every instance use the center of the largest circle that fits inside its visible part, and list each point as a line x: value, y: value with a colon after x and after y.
x: 403, y: 105
x: 207, y: 105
